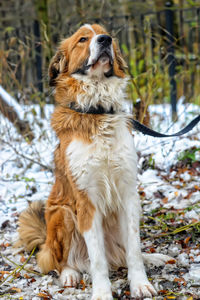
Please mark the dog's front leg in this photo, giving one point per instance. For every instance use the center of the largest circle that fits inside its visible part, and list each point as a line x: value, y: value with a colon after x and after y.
x: 129, y: 221
x: 94, y: 239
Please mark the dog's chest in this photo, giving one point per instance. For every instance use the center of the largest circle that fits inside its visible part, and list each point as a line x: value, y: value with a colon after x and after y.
x: 106, y: 166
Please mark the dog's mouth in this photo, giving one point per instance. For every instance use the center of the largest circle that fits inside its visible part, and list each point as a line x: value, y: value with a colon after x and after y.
x: 103, y: 58
x: 104, y: 61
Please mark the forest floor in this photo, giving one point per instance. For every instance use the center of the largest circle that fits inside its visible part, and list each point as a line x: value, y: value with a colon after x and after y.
x: 168, y: 184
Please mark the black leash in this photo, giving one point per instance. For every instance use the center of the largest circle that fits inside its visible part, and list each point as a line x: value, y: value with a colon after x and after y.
x: 136, y: 125
x: 145, y: 130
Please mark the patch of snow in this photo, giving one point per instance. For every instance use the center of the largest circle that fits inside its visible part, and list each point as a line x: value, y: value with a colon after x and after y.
x: 192, y: 215
x: 173, y: 250
x: 194, y: 273
x: 183, y: 259
x: 197, y: 259
x: 185, y: 176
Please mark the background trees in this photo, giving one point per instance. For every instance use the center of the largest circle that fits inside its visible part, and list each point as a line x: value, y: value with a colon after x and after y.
x: 162, y: 63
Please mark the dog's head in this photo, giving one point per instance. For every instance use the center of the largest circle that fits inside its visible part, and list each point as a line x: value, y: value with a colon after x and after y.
x: 91, y: 52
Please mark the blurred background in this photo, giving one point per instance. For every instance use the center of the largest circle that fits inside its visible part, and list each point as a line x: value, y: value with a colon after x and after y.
x: 160, y: 41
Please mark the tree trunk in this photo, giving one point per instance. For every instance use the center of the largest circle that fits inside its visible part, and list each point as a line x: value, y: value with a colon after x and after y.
x: 12, y: 115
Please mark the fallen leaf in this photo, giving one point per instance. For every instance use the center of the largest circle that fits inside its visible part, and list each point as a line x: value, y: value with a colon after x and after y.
x: 44, y: 296
x: 165, y: 200
x: 4, y: 272
x: 152, y: 250
x: 142, y: 194
x: 196, y: 188
x: 83, y: 285
x: 163, y: 292
x: 194, y: 220
x: 5, y: 245
x: 150, y: 278
x: 178, y: 186
x: 127, y: 293
x: 17, y: 275
x: 180, y: 281
x: 17, y: 290
x: 192, y: 259
x: 177, y: 280
x: 22, y: 259
x: 186, y: 240
x: 171, y: 261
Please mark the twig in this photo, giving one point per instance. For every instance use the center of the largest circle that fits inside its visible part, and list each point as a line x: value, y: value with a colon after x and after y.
x: 18, y: 268
x: 26, y: 157
x: 6, y: 295
x: 152, y: 218
x: 27, y: 259
x: 178, y: 230
x: 21, y: 180
x: 25, y: 269
x: 11, y: 274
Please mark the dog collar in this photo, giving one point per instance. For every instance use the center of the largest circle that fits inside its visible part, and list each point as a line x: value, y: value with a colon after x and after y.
x: 136, y: 125
x: 98, y: 110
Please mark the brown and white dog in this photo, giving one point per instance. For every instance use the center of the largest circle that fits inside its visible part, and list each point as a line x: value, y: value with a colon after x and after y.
x: 92, y: 214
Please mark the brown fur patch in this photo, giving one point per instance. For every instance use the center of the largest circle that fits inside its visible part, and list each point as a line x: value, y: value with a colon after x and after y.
x: 46, y: 261
x: 32, y: 227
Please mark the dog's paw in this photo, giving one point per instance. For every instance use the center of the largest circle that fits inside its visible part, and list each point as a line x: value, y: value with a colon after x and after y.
x: 69, y: 277
x: 141, y: 290
x: 102, y: 296
x: 156, y: 259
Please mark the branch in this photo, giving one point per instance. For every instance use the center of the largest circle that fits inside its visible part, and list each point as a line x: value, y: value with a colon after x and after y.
x: 26, y: 157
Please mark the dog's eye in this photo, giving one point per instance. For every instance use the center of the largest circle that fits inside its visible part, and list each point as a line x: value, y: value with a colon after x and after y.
x: 83, y: 39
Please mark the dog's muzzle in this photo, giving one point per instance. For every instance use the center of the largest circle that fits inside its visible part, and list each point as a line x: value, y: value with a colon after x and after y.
x: 102, y: 50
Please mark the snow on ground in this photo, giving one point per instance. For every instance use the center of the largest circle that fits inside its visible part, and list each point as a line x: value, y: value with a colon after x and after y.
x: 170, y: 195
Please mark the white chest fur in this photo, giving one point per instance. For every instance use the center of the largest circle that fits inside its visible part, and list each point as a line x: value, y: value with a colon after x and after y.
x: 106, y: 92
x: 107, y: 166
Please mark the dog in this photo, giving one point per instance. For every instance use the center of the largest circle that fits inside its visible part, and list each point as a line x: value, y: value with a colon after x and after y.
x: 91, y: 218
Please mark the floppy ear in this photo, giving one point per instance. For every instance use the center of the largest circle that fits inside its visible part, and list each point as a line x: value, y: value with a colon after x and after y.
x: 120, y: 60
x: 121, y: 65
x: 57, y: 65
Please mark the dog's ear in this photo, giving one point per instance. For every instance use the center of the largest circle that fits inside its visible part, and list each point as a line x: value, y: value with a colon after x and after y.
x: 57, y: 65
x: 120, y: 60
x: 120, y: 66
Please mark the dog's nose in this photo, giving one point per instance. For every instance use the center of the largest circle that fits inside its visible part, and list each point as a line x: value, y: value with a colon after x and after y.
x: 104, y: 40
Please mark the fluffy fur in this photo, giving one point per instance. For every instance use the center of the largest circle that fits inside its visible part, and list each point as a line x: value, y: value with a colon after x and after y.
x: 92, y: 213
x: 32, y: 229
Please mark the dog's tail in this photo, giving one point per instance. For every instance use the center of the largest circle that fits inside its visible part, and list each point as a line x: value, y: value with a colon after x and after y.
x: 32, y: 226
